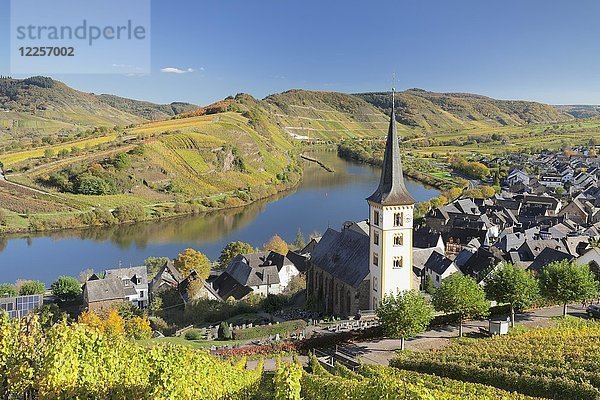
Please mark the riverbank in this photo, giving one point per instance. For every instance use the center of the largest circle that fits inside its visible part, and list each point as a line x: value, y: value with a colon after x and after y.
x: 321, y: 200
x: 417, y: 169
x: 20, y: 224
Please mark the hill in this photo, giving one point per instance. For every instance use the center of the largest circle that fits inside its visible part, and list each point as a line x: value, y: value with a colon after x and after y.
x: 580, y: 111
x: 146, y: 109
x: 434, y: 112
x: 39, y: 106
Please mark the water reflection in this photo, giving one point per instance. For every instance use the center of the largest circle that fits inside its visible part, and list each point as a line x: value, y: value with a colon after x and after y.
x: 323, y: 199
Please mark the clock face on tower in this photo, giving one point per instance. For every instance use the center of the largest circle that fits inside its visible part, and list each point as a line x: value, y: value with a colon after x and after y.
x: 408, y: 218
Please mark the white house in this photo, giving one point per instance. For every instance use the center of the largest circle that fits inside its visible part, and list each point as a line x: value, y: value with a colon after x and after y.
x: 439, y: 267
x: 135, y: 283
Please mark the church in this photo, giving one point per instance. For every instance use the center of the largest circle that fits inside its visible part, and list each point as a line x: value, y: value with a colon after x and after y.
x: 352, y: 269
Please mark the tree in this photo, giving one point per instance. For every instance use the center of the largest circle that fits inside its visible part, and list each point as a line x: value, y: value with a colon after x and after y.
x: 512, y: 285
x: 154, y: 264
x: 276, y: 244
x: 7, y: 290
x: 566, y: 282
x: 462, y: 295
x: 429, y: 287
x: 130, y: 212
x: 192, y: 260
x: 66, y: 287
x: 299, y: 242
x: 232, y: 250
x: 404, y: 315
x: 224, y: 331
x: 32, y: 287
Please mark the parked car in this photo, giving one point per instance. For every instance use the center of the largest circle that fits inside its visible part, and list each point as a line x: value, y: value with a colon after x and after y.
x: 593, y: 311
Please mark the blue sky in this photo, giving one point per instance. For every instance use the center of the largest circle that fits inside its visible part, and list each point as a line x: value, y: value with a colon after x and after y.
x: 536, y: 50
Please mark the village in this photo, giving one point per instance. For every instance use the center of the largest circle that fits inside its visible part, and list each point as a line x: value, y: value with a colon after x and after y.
x: 547, y: 211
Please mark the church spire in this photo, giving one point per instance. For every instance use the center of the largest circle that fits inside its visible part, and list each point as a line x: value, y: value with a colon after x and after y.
x: 391, y: 189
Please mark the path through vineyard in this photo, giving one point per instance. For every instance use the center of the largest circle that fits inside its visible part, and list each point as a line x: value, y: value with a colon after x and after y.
x: 380, y: 352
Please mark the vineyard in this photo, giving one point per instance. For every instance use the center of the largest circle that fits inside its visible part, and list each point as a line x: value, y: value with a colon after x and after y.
x: 560, y: 362
x: 74, y: 361
x: 388, y: 383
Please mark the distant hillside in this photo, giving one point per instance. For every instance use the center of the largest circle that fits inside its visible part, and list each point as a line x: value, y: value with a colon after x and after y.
x: 38, y: 106
x: 324, y: 115
x: 434, y: 112
x: 580, y: 111
x: 43, y: 105
x: 145, y: 109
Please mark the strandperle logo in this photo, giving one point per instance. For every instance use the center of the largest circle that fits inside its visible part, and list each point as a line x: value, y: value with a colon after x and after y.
x: 85, y: 31
x: 74, y: 36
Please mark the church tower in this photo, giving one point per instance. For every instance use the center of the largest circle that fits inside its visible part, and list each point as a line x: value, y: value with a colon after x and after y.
x: 390, y: 225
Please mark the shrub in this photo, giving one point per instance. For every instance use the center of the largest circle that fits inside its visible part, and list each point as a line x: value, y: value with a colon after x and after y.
x: 194, y: 334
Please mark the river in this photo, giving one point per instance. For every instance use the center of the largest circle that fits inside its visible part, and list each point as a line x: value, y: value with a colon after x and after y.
x: 323, y: 199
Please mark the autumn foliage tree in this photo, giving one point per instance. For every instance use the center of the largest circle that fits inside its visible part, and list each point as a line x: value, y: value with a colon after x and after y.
x: 232, y: 250
x: 192, y: 260
x: 276, y: 244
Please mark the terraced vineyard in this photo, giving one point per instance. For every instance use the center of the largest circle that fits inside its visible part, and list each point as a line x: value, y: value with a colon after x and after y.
x: 389, y: 383
x: 560, y: 362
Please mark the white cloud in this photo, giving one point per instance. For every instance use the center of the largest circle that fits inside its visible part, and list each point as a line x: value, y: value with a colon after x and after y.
x: 172, y: 70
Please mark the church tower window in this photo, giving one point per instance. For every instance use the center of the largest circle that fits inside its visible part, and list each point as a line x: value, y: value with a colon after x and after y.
x: 398, y: 219
x: 375, y: 259
x: 397, y: 262
x: 398, y: 239
x: 374, y: 283
x: 376, y: 238
x: 376, y: 218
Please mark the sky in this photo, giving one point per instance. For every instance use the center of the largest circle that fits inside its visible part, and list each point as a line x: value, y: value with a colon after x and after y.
x: 542, y: 50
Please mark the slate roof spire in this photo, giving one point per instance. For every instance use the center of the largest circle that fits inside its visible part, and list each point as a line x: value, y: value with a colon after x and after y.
x: 391, y: 189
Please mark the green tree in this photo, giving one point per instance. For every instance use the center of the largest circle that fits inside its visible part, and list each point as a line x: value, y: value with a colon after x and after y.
x: 130, y: 212
x: 276, y: 244
x: 154, y: 264
x: 32, y: 287
x: 566, y: 282
x: 462, y: 295
x: 7, y: 290
x: 224, y: 331
x: 299, y: 242
x: 404, y: 315
x: 232, y: 250
x: 512, y: 285
x: 429, y: 287
x: 192, y: 260
x: 49, y: 153
x: 89, y: 184
x: 66, y: 287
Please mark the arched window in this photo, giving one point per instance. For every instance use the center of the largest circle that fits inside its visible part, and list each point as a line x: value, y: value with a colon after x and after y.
x: 397, y: 262
x: 398, y: 239
x: 398, y: 219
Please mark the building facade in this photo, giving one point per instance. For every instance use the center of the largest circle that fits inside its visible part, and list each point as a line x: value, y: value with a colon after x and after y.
x: 352, y: 270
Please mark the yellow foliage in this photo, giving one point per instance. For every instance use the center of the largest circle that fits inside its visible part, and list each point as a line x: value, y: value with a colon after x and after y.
x: 276, y: 244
